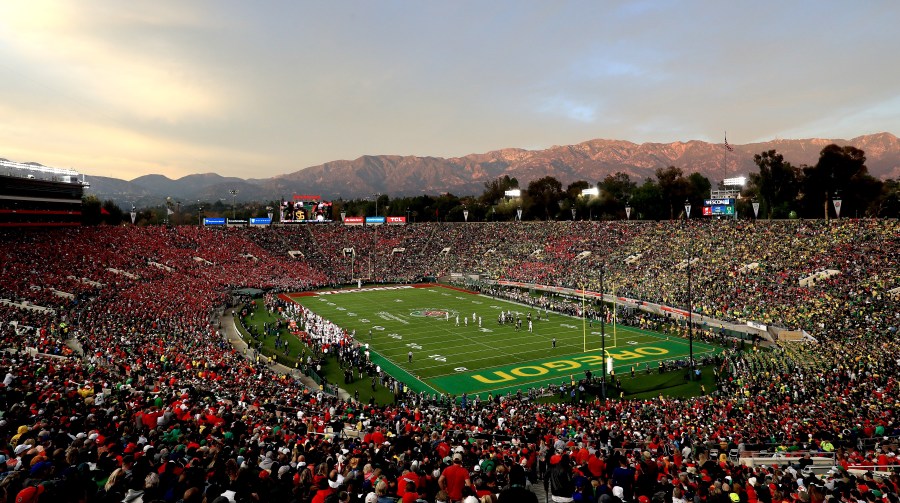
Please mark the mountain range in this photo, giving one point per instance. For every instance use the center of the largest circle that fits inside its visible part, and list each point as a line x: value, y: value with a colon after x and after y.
x: 412, y: 175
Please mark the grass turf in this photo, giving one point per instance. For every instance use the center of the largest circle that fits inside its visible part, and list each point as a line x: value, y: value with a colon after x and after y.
x: 492, y: 358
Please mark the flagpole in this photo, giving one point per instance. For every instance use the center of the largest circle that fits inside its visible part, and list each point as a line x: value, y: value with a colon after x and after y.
x: 725, y: 166
x: 729, y: 148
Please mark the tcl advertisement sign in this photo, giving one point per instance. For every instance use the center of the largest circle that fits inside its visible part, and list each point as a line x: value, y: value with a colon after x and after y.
x: 396, y: 220
x: 354, y: 220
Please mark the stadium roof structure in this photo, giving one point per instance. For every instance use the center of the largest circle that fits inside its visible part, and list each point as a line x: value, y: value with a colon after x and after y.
x: 37, y: 170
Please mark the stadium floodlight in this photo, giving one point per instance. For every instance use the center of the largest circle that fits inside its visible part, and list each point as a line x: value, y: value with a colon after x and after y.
x: 593, y: 191
x: 736, y: 182
x: 233, y: 193
x: 602, y: 333
x: 513, y: 193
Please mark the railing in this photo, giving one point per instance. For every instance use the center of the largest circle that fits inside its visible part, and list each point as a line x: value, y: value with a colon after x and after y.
x: 865, y: 444
x: 820, y: 459
x: 873, y: 468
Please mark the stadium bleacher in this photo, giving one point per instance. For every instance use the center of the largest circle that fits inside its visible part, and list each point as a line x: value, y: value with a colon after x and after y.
x: 161, y: 408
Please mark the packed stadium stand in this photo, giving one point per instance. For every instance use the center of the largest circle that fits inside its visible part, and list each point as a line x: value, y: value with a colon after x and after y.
x: 119, y: 384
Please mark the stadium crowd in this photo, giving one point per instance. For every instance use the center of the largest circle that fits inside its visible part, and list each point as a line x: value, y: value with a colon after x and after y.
x: 162, y: 408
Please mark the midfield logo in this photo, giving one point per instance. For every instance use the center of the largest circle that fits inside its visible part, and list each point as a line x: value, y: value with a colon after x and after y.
x: 432, y: 312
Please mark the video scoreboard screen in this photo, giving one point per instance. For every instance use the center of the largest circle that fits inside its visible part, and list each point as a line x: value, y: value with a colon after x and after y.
x: 716, y: 207
x: 305, y: 208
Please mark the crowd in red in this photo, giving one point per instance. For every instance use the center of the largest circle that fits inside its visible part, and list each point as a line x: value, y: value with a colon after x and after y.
x: 162, y: 408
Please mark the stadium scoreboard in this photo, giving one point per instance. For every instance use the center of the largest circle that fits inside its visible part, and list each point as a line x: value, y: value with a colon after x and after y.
x: 305, y: 208
x: 716, y: 207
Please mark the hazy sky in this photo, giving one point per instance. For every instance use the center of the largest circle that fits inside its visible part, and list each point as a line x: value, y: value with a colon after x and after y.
x: 254, y: 89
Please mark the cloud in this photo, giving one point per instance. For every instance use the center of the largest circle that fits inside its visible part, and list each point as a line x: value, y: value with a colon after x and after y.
x: 119, y: 152
x: 566, y: 107
x: 112, y: 58
x: 235, y: 87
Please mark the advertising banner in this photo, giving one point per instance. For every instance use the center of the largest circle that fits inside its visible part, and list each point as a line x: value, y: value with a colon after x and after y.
x: 757, y: 325
x: 718, y: 210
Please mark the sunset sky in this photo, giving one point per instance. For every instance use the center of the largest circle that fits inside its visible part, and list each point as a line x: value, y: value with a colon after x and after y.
x: 255, y: 89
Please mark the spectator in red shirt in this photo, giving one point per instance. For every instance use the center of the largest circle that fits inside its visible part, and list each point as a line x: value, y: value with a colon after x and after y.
x: 454, y: 478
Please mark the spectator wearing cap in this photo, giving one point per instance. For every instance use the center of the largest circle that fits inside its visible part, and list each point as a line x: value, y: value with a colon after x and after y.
x: 752, y: 495
x: 560, y: 481
x: 454, y: 478
x: 31, y: 494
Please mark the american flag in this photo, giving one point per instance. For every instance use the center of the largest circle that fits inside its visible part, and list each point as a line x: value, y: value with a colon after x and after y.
x: 727, y: 146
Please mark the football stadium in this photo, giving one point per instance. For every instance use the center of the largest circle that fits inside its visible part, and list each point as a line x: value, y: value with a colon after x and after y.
x: 449, y: 252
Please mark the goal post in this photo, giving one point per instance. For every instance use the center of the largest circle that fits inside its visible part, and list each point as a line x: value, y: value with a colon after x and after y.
x: 593, y: 339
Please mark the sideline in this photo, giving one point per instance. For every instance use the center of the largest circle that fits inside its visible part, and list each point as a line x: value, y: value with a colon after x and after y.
x: 227, y: 322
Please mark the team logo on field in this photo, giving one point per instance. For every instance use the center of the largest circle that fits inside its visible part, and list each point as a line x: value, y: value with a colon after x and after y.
x: 432, y: 312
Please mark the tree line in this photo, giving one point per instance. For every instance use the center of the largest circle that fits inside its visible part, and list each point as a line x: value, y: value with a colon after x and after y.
x: 781, y: 189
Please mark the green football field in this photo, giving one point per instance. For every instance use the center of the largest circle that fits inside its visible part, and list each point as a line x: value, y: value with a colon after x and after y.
x: 494, y: 358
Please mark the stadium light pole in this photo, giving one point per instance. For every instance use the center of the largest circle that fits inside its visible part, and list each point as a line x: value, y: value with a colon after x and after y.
x: 233, y: 193
x: 591, y: 192
x: 167, y: 205
x: 687, y: 215
x: 602, y: 337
